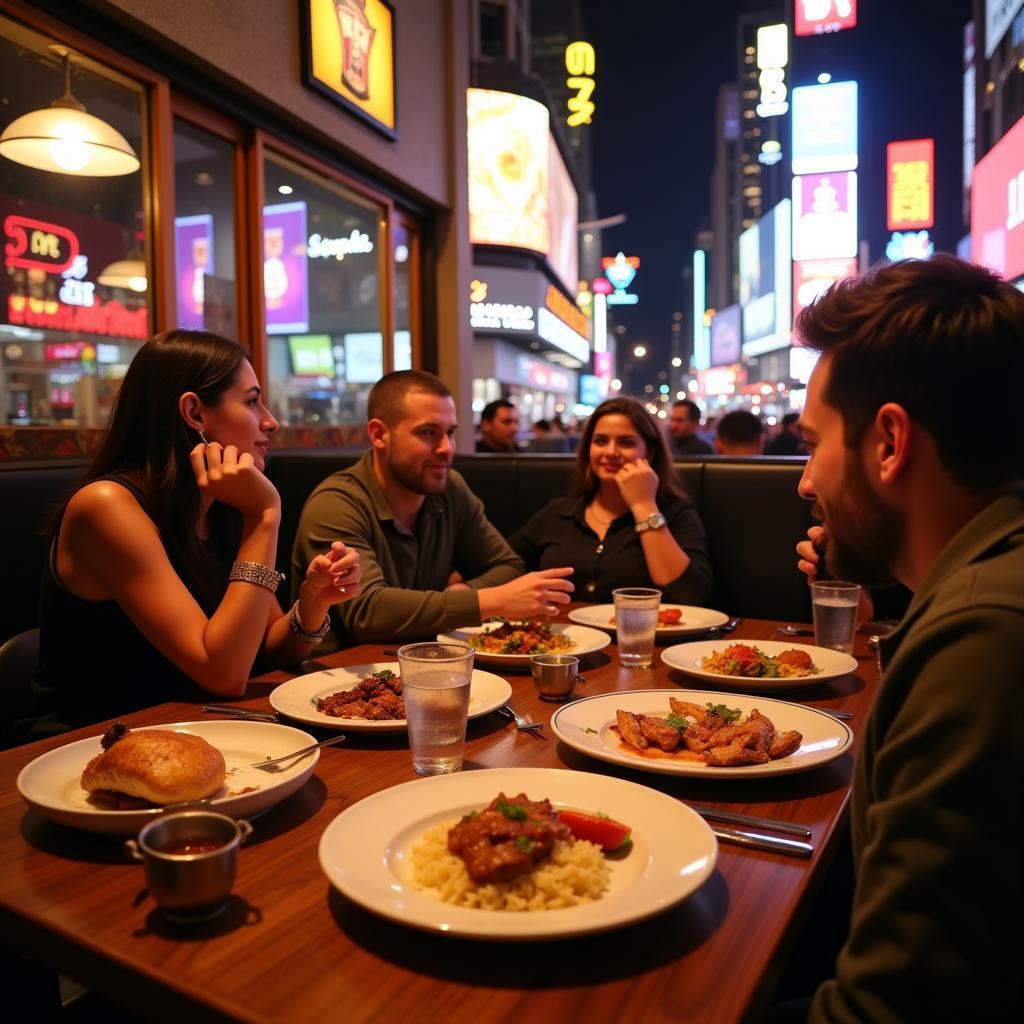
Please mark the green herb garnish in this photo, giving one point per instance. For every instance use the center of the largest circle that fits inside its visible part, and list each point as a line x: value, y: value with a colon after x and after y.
x: 384, y: 675
x: 524, y: 844
x: 515, y: 812
x: 678, y: 723
x: 471, y: 816
x: 727, y: 714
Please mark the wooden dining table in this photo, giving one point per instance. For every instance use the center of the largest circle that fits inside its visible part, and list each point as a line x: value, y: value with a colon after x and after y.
x: 290, y: 947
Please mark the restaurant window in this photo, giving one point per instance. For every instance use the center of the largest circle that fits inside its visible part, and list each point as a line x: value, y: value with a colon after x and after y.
x: 323, y: 267
x: 75, y: 289
x: 204, y: 230
x: 405, y: 250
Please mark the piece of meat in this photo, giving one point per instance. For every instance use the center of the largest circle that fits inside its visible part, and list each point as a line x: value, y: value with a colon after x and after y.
x: 659, y: 732
x: 630, y: 730
x: 696, y: 739
x: 684, y: 709
x: 733, y: 754
x: 784, y: 743
x: 756, y: 716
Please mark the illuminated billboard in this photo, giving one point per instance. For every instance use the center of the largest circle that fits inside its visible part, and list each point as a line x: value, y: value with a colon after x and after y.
x: 772, y: 58
x: 999, y: 15
x: 816, y: 17
x: 910, y: 176
x: 812, y: 277
x: 825, y: 127
x: 509, y: 160
x: 563, y: 216
x: 825, y: 216
x: 580, y: 62
x: 765, y: 281
x: 997, y: 206
x: 725, y: 336
x: 349, y: 48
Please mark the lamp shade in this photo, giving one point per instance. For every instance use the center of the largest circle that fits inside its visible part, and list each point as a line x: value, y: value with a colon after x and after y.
x: 68, y: 141
x: 130, y: 274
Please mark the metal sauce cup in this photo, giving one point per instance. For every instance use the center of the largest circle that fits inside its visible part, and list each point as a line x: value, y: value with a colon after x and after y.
x: 190, y: 887
x: 555, y: 675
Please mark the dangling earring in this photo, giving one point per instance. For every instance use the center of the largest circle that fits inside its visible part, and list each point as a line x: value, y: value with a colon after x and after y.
x: 202, y: 437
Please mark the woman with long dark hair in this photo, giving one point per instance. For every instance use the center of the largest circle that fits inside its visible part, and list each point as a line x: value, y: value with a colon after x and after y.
x: 626, y: 522
x: 160, y: 583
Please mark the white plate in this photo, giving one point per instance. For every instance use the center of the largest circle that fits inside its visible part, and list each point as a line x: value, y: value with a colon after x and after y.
x: 52, y: 782
x: 688, y: 657
x: 365, y: 851
x: 585, y: 641
x: 586, y: 726
x: 695, y: 620
x: 295, y: 698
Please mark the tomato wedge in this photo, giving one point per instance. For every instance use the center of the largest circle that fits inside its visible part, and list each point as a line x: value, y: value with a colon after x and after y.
x: 604, y: 832
x: 669, y: 617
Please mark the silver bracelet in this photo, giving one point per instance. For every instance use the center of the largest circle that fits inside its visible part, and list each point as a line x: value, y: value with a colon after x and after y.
x: 253, y: 572
x: 304, y: 634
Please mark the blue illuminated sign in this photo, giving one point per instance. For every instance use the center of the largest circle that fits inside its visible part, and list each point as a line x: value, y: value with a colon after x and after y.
x: 825, y: 128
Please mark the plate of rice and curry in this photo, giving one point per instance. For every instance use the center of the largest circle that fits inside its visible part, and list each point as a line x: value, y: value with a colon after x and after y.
x: 701, y: 734
x: 758, y: 665
x: 514, y: 854
x: 513, y: 642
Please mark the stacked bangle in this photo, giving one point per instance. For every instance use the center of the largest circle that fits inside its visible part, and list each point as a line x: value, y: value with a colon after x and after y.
x: 253, y: 572
x: 304, y: 634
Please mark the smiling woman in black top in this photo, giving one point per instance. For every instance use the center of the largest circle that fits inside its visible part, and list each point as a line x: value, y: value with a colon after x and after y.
x: 626, y: 522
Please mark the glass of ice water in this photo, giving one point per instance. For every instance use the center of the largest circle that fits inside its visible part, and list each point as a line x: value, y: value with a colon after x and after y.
x: 435, y: 684
x: 834, y: 605
x: 636, y: 619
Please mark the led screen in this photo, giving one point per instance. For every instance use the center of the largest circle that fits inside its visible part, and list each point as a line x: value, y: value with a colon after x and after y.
x: 563, y: 216
x: 725, y: 336
x: 825, y: 216
x: 509, y: 158
x: 997, y: 206
x: 910, y: 170
x: 816, y: 17
x: 825, y: 127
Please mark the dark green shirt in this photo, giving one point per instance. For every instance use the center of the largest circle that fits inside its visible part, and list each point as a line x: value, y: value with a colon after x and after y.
x: 404, y: 573
x: 938, y: 799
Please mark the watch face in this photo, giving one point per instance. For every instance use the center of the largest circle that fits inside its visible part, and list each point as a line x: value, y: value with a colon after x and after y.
x: 655, y: 519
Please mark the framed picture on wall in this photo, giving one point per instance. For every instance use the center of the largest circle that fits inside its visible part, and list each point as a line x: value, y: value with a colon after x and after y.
x: 349, y: 57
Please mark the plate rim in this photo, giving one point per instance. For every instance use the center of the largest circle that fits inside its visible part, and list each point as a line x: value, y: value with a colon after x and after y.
x: 674, y: 630
x: 63, y: 813
x: 465, y: 922
x: 394, y: 725
x: 689, y: 769
x: 759, y: 683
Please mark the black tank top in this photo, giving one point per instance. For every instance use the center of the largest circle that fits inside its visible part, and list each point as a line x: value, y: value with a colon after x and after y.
x: 93, y: 662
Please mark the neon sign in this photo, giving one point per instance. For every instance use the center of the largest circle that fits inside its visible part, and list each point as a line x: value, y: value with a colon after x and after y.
x: 580, y: 62
x: 910, y: 184
x: 816, y: 17
x: 620, y: 271
x: 772, y: 58
x: 107, y: 318
x: 319, y: 247
x: 38, y: 245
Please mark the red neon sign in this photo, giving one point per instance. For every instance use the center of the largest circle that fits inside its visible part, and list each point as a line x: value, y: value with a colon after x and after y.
x: 816, y: 17
x: 910, y: 184
x: 107, y: 318
x: 39, y: 245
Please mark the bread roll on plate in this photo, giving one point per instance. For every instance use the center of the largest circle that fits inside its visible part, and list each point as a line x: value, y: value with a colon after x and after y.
x: 157, y: 765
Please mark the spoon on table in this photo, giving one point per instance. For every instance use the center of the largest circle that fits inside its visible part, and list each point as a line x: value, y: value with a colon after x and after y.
x: 795, y: 630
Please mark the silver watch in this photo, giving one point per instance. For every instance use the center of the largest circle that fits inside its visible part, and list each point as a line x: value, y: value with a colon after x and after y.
x: 655, y: 521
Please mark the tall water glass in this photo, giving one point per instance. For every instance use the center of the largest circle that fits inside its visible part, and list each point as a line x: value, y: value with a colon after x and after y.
x: 636, y: 620
x: 435, y: 684
x: 834, y: 605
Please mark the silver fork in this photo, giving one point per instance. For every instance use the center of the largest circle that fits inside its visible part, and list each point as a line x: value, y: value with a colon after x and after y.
x: 273, y: 764
x: 523, y: 722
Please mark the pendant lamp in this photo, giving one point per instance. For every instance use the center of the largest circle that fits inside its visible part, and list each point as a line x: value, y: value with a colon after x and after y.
x: 129, y: 274
x: 63, y: 138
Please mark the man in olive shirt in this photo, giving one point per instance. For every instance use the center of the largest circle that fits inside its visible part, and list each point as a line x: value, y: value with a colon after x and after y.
x: 903, y: 492
x: 430, y: 560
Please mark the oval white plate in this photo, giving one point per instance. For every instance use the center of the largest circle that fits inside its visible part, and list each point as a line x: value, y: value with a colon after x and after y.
x: 585, y: 641
x: 52, y: 782
x: 688, y: 657
x: 695, y: 620
x: 295, y: 698
x: 586, y: 726
x: 365, y: 851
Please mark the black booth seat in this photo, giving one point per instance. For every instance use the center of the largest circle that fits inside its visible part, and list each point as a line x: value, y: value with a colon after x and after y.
x: 750, y: 508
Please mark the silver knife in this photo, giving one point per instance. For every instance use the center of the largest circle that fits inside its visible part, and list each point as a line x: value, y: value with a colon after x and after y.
x: 227, y: 709
x: 747, y: 819
x: 774, y: 844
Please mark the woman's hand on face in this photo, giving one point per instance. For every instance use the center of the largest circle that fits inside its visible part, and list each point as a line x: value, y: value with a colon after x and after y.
x: 810, y: 552
x: 335, y: 575
x: 638, y: 483
x: 226, y: 476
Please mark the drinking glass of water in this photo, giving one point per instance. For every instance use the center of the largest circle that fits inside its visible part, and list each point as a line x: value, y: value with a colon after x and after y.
x: 435, y: 684
x: 636, y: 619
x: 834, y: 605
